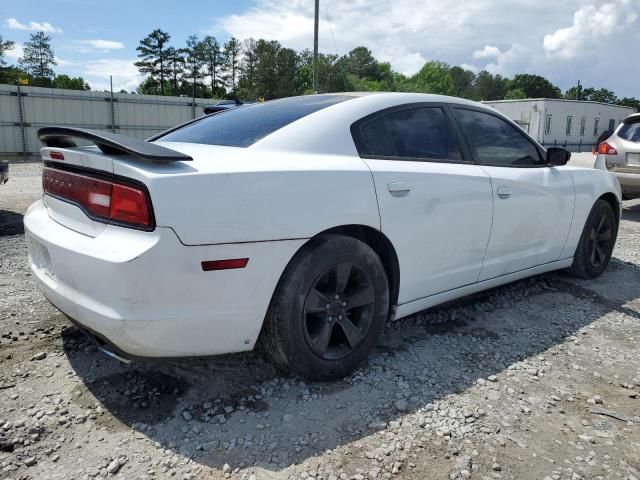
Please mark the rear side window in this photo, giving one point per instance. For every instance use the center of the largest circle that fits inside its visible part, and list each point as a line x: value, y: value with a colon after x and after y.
x: 243, y: 126
x: 630, y: 131
x: 414, y: 133
x: 497, y: 142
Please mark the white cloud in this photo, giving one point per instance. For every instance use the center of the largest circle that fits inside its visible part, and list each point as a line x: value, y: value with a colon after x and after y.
x: 16, y: 52
x: 590, y: 24
x: 98, y: 44
x: 46, y: 27
x: 124, y: 72
x: 487, y: 52
x: 504, y: 37
x: 62, y: 62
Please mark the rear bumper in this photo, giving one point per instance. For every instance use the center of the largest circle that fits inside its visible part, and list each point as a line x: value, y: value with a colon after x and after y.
x: 146, y: 293
x: 629, y: 182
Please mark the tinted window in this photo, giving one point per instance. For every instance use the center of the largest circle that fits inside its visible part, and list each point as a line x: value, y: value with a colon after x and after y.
x: 495, y: 141
x: 411, y: 133
x: 246, y: 125
x: 630, y: 131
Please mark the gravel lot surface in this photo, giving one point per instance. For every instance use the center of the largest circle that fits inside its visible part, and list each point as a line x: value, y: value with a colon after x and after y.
x: 539, y: 379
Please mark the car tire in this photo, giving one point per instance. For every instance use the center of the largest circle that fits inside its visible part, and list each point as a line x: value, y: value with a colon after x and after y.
x: 329, y: 309
x: 596, y: 243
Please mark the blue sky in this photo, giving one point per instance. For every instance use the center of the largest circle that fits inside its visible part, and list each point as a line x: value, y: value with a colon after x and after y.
x: 566, y: 41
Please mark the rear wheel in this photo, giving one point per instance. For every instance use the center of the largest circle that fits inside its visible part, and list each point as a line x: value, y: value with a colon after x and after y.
x: 329, y: 310
x: 596, y: 243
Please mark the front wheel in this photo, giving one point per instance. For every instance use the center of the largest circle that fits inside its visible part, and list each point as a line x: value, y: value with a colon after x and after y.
x: 596, y: 243
x: 329, y: 309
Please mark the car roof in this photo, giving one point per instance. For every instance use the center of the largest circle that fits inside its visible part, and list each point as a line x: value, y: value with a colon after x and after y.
x: 327, y: 131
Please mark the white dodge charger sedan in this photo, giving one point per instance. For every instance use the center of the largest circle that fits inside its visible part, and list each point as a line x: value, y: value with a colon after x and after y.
x: 304, y: 224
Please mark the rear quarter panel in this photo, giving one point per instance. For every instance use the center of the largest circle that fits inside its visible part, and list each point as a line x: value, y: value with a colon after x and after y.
x: 590, y: 184
x: 232, y: 195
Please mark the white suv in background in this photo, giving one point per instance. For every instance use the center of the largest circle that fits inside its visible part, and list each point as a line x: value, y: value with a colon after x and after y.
x: 620, y: 154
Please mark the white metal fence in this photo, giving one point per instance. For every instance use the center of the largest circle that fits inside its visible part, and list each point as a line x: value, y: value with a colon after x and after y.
x: 23, y: 110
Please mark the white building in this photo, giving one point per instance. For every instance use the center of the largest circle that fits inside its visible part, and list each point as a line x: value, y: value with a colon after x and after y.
x: 571, y: 124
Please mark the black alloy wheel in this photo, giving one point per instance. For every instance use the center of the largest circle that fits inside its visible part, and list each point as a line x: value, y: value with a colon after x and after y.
x: 338, y: 311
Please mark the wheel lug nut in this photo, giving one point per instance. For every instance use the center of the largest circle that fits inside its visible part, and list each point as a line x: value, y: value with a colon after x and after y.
x: 339, y: 317
x: 327, y: 305
x: 344, y: 304
x: 337, y: 297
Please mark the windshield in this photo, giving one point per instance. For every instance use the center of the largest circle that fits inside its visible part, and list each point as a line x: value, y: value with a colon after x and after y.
x: 245, y: 125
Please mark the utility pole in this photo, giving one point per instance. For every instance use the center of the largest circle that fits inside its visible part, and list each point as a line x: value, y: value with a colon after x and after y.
x: 578, y: 91
x: 315, y: 48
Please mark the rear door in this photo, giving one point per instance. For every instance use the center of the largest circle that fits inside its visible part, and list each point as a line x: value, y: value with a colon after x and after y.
x: 435, y: 204
x: 533, y: 202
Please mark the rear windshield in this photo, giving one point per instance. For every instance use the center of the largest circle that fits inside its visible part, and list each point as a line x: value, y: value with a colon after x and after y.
x: 246, y: 125
x: 630, y: 131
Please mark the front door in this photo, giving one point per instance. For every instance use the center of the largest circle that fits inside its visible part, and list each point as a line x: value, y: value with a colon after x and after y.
x: 533, y: 202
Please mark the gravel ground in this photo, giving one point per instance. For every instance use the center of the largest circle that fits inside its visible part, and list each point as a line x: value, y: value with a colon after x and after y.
x: 539, y: 379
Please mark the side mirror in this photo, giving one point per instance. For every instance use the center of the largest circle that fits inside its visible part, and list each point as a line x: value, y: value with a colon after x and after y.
x: 557, y: 156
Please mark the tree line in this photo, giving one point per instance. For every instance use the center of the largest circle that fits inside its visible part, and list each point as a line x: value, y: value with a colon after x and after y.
x: 264, y: 70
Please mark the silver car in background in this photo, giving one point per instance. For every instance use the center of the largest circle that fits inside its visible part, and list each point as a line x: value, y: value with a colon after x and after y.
x: 620, y: 154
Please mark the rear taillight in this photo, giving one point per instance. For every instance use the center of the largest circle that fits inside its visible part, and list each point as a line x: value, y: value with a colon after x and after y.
x: 605, y: 149
x: 103, y: 200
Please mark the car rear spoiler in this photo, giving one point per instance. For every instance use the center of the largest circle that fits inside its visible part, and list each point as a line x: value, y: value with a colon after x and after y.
x: 109, y: 143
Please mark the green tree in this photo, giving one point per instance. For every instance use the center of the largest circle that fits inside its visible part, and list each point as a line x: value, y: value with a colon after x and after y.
x: 149, y: 86
x: 5, y: 46
x: 574, y: 93
x: 361, y: 63
x: 213, y: 59
x: 175, y: 67
x: 194, y: 64
x: 534, y: 86
x: 629, y: 102
x: 603, y: 95
x: 152, y: 52
x: 434, y: 77
x: 232, y: 52
x: 288, y: 83
x: 462, y: 81
x: 489, y: 87
x: 515, y: 94
x: 38, y: 58
x: 71, y: 83
x: 247, y: 79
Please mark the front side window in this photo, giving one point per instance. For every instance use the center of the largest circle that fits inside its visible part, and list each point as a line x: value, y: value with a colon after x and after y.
x: 583, y: 125
x: 596, y: 126
x: 547, y: 125
x: 569, y: 124
x: 496, y: 142
x: 412, y: 133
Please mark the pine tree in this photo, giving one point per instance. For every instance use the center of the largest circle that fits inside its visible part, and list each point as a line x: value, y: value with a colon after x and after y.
x: 152, y: 52
x: 38, y: 58
x: 213, y: 58
x: 232, y: 52
x: 194, y: 62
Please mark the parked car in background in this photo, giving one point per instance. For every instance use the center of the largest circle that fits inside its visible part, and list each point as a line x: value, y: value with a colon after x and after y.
x: 222, y: 106
x: 620, y: 154
x: 4, y: 172
x: 304, y: 224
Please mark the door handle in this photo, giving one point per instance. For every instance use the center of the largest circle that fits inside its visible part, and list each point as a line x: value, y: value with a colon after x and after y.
x: 504, y: 192
x: 399, y: 188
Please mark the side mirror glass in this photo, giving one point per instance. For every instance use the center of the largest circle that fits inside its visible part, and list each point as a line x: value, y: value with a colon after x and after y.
x: 557, y: 156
